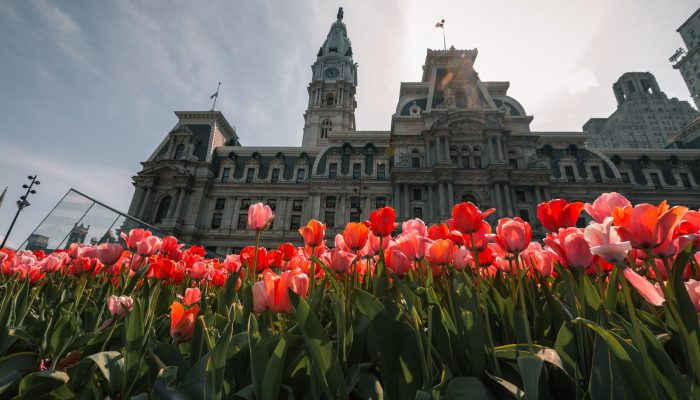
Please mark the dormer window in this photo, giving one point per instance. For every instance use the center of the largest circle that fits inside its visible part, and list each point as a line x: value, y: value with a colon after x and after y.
x: 179, y: 151
x: 326, y: 126
x: 330, y: 100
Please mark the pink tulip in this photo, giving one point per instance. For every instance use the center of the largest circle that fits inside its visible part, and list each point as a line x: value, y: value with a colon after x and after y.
x: 259, y: 297
x: 340, y: 260
x: 192, y: 296
x: 148, y: 246
x: 604, y: 205
x: 416, y: 225
x: 645, y: 288
x: 109, y: 253
x: 118, y: 305
x: 693, y: 288
x: 232, y: 263
x: 87, y: 251
x: 413, y: 245
x: 199, y: 270
x: 571, y: 247
x: 605, y: 242
x: 52, y: 262
x: 397, y: 261
x: 135, y: 236
x: 259, y: 216
x: 463, y: 258
x: 544, y: 262
x: 513, y: 235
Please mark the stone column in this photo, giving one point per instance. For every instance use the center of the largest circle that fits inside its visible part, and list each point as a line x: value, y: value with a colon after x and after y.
x: 538, y: 196
x: 547, y: 194
x: 499, y: 201
x: 450, y: 197
x: 447, y: 148
x: 500, y: 148
x: 406, y: 202
x: 427, y: 154
x: 431, y: 202
x: 509, y: 199
x: 441, y: 197
x: 492, y: 155
x: 173, y: 204
x: 438, y: 149
x: 145, y: 204
x: 395, y: 201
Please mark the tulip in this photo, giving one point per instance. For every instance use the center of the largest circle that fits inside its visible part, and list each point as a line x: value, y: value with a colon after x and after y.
x: 374, y: 242
x: 86, y: 251
x: 645, y: 288
x: 397, y: 261
x: 340, y: 261
x: 109, y: 253
x: 313, y: 232
x: 604, y: 205
x: 135, y: 236
x: 479, y: 239
x: 355, y: 235
x: 571, y: 247
x: 182, y: 321
x: 463, y: 258
x: 51, y: 263
x: 86, y: 264
x: 543, y: 262
x: 199, y: 270
x: 148, y: 246
x: 259, y: 216
x: 248, y: 255
x: 647, y: 226
x: 259, y: 297
x: 272, y: 292
x: 382, y: 221
x: 170, y: 248
x: 413, y: 244
x: 559, y: 213
x: 440, y: 231
x: 414, y: 225
x: 162, y: 269
x: 440, y: 252
x: 192, y: 296
x: 287, y: 250
x: 217, y: 277
x: 118, y: 305
x: 513, y: 235
x: 693, y: 288
x: 604, y: 241
x: 467, y: 218
x: 232, y: 262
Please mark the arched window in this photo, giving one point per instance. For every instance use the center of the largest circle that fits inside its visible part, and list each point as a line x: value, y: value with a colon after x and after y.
x: 179, y: 151
x: 477, y: 157
x: 466, y: 163
x: 163, y: 208
x: 326, y: 126
x: 513, y: 159
x: 453, y: 154
x: 415, y: 159
x: 330, y: 100
x: 467, y: 197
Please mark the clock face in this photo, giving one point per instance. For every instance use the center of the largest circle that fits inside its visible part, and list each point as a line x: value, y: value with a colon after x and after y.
x: 331, y: 73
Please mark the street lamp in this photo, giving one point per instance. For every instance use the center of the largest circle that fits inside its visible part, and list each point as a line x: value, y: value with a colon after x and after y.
x: 21, y: 204
x: 360, y: 187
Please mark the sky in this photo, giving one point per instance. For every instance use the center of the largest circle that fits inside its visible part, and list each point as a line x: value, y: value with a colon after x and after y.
x: 88, y: 89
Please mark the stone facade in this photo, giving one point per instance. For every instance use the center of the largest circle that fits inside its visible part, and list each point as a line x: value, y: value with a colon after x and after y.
x: 645, y: 116
x: 453, y: 138
x: 687, y: 61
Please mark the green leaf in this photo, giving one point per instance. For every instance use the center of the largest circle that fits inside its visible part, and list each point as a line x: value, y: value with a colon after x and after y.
x: 273, y: 371
x: 565, y: 347
x: 366, y: 303
x: 510, y: 388
x: 111, y: 365
x: 216, y: 365
x: 134, y: 332
x: 324, y: 360
x: 601, y: 383
x: 530, y: 370
x: 21, y: 362
x: 258, y: 356
x: 8, y: 380
x: 46, y: 384
x: 467, y: 387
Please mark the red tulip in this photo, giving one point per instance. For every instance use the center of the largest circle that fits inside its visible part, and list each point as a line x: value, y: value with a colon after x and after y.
x: 513, y: 235
x: 170, y: 248
x: 355, y: 235
x: 287, y: 250
x: 572, y: 248
x: 382, y: 221
x: 441, y: 252
x: 481, y: 237
x: 604, y: 205
x: 397, y: 261
x: 467, y: 218
x: 647, y: 226
x: 313, y: 232
x: 199, y: 270
x: 440, y: 231
x: 274, y: 259
x: 182, y: 321
x: 232, y: 263
x: 259, y: 216
x: 272, y: 293
x: 559, y: 213
x: 248, y: 253
x: 162, y: 269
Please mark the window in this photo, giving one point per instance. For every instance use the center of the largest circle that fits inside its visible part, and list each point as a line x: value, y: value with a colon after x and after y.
x: 301, y: 175
x: 330, y: 202
x: 596, y: 174
x: 326, y: 126
x: 513, y: 159
x: 330, y: 100
x: 625, y: 177
x: 250, y: 175
x: 417, y: 212
x: 226, y: 174
x: 520, y: 196
x: 216, y: 220
x: 381, y: 171
x: 245, y: 204
x: 272, y: 203
x: 415, y: 159
x: 354, y: 216
x: 354, y: 202
x: 380, y: 202
x: 655, y: 180
x: 416, y: 194
x: 179, y: 151
x: 332, y: 170
x: 477, y: 157
x: 685, y: 179
x: 465, y: 160
x: 275, y: 175
x: 295, y: 222
x: 525, y: 215
x: 356, y: 169
x: 163, y: 208
x: 453, y: 154
x: 569, y: 170
x: 297, y: 205
x: 219, y: 205
x: 369, y: 150
x: 329, y: 219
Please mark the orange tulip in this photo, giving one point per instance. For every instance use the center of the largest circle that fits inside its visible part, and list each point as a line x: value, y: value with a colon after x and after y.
x: 182, y: 321
x: 646, y: 226
x: 355, y: 235
x: 441, y: 252
x: 313, y: 232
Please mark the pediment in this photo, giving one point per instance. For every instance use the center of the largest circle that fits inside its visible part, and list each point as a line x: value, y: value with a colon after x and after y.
x: 165, y: 168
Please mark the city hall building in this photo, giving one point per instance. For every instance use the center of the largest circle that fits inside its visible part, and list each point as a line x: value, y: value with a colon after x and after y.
x: 453, y: 138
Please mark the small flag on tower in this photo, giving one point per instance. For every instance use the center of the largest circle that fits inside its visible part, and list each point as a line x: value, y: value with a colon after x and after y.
x: 215, y: 94
x: 440, y: 24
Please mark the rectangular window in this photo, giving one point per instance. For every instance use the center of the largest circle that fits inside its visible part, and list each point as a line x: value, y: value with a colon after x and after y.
x: 415, y: 161
x: 525, y: 215
x: 245, y: 204
x: 380, y: 202
x: 297, y: 205
x: 354, y: 202
x: 625, y: 177
x: 295, y: 222
x: 330, y: 202
x: 520, y: 196
x: 272, y: 203
x: 655, y: 180
x: 356, y: 170
x: 216, y: 220
x: 225, y: 175
x: 275, y: 175
x: 381, y: 171
x: 354, y: 216
x: 417, y: 212
x: 332, y: 170
x: 477, y: 162
x: 570, y: 173
x: 416, y: 194
x: 596, y: 174
x: 250, y: 175
x: 685, y: 179
x: 329, y: 219
x: 219, y: 205
x: 242, y: 221
x: 301, y: 175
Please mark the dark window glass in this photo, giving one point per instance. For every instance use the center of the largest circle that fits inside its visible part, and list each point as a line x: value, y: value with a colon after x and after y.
x: 513, y: 160
x: 272, y: 203
x: 329, y: 219
x: 381, y: 171
x: 520, y: 196
x: 465, y: 162
x: 163, y: 208
x: 275, y: 175
x: 625, y: 177
x: 686, y: 180
x: 356, y: 169
x: 354, y: 202
x: 330, y: 202
x: 242, y: 221
x: 596, y: 174
x: 179, y: 151
x: 295, y: 222
x: 415, y: 161
x: 220, y: 203
x: 297, y: 205
x: 525, y: 215
x: 570, y: 173
x: 477, y: 161
x: 301, y: 175
x: 250, y: 175
x: 225, y: 174
x: 417, y: 212
x: 417, y: 194
x: 369, y: 150
x: 245, y: 204
x: 354, y: 216
x: 380, y: 202
x: 216, y: 220
x: 332, y: 170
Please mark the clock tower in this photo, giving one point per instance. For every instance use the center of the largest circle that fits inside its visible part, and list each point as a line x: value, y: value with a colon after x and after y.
x: 332, y: 102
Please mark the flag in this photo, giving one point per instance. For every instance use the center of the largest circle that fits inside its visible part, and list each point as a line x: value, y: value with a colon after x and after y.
x: 2, y: 196
x: 214, y: 95
x: 440, y: 24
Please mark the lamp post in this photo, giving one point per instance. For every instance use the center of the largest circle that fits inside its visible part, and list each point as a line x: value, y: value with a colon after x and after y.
x: 21, y: 204
x: 359, y: 190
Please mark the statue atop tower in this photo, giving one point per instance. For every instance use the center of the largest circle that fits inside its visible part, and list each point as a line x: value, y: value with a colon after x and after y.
x: 340, y: 13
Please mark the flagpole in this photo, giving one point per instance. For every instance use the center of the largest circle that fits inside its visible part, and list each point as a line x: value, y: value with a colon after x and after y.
x: 444, y: 43
x: 215, y: 96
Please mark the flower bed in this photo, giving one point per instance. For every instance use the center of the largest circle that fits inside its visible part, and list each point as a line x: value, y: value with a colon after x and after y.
x: 456, y: 310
